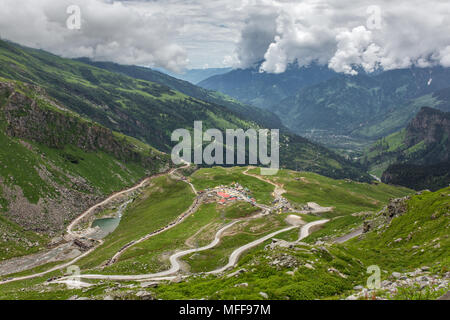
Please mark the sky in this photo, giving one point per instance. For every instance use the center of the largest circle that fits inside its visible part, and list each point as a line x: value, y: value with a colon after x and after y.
x: 177, y: 34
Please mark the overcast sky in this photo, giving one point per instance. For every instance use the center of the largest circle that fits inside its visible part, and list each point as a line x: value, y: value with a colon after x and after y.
x: 175, y: 34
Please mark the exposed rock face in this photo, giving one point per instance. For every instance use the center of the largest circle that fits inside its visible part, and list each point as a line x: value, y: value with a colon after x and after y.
x: 424, y: 158
x: 431, y: 126
x: 395, y: 208
x: 56, y: 129
x: 26, y: 113
x: 419, y: 280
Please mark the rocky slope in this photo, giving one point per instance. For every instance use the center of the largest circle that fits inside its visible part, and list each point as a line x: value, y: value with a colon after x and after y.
x: 417, y: 156
x: 55, y: 164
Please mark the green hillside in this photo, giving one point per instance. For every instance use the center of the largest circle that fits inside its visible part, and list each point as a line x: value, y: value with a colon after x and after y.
x: 292, y: 276
x: 249, y: 113
x: 422, y: 147
x: 54, y: 164
x: 150, y: 111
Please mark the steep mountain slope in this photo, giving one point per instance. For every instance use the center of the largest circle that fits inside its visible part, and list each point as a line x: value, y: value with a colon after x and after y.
x: 342, y: 112
x: 149, y: 111
x: 424, y: 145
x: 55, y: 164
x: 418, y: 177
x: 266, y: 89
x: 265, y: 118
x: 363, y: 105
x: 145, y: 110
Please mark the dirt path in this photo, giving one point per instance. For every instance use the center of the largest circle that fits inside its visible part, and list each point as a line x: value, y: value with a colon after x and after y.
x: 59, y: 267
x: 278, y: 196
x: 277, y: 192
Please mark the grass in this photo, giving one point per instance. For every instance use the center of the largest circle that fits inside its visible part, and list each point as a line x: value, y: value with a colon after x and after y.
x: 346, y: 196
x: 152, y: 254
x: 426, y: 225
x: 237, y: 236
x: 261, y: 276
x: 15, y: 241
x: 163, y: 201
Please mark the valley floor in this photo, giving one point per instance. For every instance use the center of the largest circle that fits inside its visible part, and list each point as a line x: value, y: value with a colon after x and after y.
x: 208, y: 235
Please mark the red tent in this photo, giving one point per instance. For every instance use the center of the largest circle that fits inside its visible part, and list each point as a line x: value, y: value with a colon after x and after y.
x: 223, y: 194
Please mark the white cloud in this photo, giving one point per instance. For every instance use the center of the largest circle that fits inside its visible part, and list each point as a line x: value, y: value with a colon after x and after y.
x: 345, y: 34
x: 113, y: 31
x: 175, y: 33
x: 355, y: 47
x: 444, y: 56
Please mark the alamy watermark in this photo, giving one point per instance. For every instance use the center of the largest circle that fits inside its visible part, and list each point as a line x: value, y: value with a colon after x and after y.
x: 234, y: 147
x: 374, y: 20
x: 374, y: 281
x: 74, y: 281
x: 73, y: 22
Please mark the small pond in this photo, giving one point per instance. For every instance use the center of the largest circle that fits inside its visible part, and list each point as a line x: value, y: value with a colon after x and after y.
x: 108, y: 225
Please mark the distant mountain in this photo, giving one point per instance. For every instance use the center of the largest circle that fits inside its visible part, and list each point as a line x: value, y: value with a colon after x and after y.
x: 417, y: 156
x: 266, y: 89
x: 196, y: 75
x: 343, y: 112
x: 363, y: 107
x: 151, y: 111
x: 348, y: 104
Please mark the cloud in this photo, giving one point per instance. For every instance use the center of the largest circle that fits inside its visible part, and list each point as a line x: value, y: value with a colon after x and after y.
x: 355, y: 47
x: 345, y: 35
x: 348, y: 34
x: 112, y: 31
x: 257, y: 34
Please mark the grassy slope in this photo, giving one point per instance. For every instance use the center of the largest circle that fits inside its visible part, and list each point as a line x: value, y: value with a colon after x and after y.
x: 143, y: 109
x: 163, y: 201
x: 247, y: 112
x: 426, y: 222
x: 15, y: 241
x: 345, y: 195
x: 22, y: 162
x: 429, y: 211
x: 303, y: 284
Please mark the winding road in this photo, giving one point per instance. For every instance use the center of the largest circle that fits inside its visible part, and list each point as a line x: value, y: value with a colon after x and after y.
x: 174, y: 258
x: 234, y: 257
x: 71, y: 235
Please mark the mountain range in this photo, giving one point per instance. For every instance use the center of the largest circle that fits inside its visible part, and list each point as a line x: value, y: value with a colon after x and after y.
x: 346, y: 113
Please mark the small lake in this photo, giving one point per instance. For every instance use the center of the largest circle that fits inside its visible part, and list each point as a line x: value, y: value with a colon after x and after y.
x: 108, y: 225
